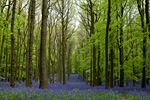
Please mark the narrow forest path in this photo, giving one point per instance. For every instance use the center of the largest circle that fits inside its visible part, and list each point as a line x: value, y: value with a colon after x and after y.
x: 74, y: 79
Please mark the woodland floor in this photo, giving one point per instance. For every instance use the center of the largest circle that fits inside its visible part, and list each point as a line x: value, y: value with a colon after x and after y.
x: 75, y: 89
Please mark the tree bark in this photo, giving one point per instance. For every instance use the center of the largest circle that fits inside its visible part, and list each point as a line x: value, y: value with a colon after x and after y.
x: 106, y: 45
x: 148, y: 26
x: 94, y: 49
x: 63, y: 43
x: 12, y: 83
x: 121, y: 49
x: 30, y: 32
x: 98, y: 67
x: 18, y: 44
x: 112, y: 66
x: 141, y: 12
x: 43, y: 72
x: 49, y: 53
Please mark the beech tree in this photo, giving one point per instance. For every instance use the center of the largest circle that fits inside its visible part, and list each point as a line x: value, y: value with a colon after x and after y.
x: 12, y: 84
x: 42, y: 69
x: 30, y: 32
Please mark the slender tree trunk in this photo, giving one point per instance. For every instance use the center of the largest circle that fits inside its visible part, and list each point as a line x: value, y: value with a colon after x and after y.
x: 37, y: 52
x: 6, y: 61
x: 148, y: 26
x: 94, y: 49
x: 36, y: 79
x: 31, y: 31
x: 91, y: 70
x: 49, y: 53
x: 43, y: 72
x: 115, y: 78
x: 141, y: 12
x: 111, y: 56
x: 63, y: 43
x: 19, y: 80
x: 17, y: 57
x: 53, y: 71
x: 22, y: 68
x: 106, y: 45
x: 98, y: 70
x: 121, y: 49
x: 12, y: 83
x: 18, y: 45
x: 112, y: 67
x: 69, y: 54
x: 27, y: 50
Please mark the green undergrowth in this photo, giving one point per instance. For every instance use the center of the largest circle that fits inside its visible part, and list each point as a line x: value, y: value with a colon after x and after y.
x: 60, y: 95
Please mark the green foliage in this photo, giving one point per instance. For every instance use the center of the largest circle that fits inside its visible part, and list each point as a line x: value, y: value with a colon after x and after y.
x: 72, y: 95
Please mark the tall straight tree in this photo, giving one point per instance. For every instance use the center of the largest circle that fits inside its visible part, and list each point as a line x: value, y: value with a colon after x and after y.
x: 63, y: 41
x: 147, y: 22
x: 121, y: 48
x: 30, y: 32
x: 12, y: 83
x: 27, y: 50
x: 111, y: 55
x: 42, y: 69
x: 106, y: 45
x: 94, y: 48
x: 140, y: 4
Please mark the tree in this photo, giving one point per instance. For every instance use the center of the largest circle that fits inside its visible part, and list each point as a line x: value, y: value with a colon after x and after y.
x: 12, y: 84
x: 30, y: 32
x: 42, y: 69
x: 147, y: 23
x: 121, y: 47
x: 140, y: 4
x: 106, y: 44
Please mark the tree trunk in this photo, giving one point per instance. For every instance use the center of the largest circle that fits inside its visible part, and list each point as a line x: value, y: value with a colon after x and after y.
x: 63, y: 43
x: 148, y: 26
x: 91, y: 70
x: 17, y: 60
x: 141, y: 12
x: 37, y: 52
x: 27, y: 49
x: 6, y: 61
x: 111, y: 56
x: 49, y: 53
x: 12, y: 83
x: 69, y: 59
x: 121, y: 49
x: 53, y: 71
x: 19, y: 80
x: 43, y: 72
x: 133, y: 68
x: 22, y: 68
x: 98, y: 66
x: 30, y: 32
x: 106, y: 45
x: 112, y: 66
